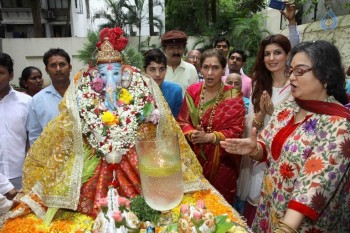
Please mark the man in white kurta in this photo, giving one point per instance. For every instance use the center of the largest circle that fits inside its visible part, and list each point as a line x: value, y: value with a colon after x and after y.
x: 178, y: 71
x: 14, y: 109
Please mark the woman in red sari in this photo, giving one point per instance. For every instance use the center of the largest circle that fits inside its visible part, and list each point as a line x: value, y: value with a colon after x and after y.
x: 210, y: 113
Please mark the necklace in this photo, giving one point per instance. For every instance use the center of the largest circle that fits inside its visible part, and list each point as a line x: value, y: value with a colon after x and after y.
x: 218, y: 96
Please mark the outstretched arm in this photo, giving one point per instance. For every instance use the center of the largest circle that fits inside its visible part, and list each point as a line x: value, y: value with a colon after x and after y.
x: 289, y: 13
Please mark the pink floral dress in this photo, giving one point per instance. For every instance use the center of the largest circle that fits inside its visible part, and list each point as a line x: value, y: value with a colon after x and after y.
x: 307, y: 171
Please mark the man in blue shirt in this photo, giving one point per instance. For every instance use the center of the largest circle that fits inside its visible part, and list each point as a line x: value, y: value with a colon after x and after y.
x: 155, y: 64
x: 44, y: 106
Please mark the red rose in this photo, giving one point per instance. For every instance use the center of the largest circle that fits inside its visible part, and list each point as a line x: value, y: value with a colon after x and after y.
x: 121, y: 44
x: 118, y: 31
x: 104, y: 33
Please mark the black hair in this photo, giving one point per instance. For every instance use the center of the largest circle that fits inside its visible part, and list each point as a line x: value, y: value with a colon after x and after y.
x: 221, y: 40
x: 26, y: 72
x: 55, y: 52
x: 241, y: 52
x: 6, y: 60
x: 155, y: 55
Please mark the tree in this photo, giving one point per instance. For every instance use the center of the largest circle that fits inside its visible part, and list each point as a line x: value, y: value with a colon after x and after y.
x: 114, y: 15
x: 125, y: 14
x: 138, y: 16
x: 35, y: 5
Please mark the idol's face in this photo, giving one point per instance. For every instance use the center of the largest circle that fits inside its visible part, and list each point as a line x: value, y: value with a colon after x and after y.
x: 111, y: 74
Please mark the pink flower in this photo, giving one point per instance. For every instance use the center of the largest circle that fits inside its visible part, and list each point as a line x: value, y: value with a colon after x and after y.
x: 117, y: 215
x: 103, y: 202
x: 183, y: 208
x: 97, y: 84
x: 197, y: 215
x: 201, y: 204
x: 154, y: 117
x: 124, y: 201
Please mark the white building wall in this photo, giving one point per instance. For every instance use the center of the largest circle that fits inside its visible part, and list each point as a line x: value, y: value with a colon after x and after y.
x: 96, y: 5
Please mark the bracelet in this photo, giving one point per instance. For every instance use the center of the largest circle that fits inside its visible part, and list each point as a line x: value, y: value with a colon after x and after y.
x: 257, y: 152
x: 189, y: 136
x: 257, y: 122
x: 214, y: 141
x: 283, y: 227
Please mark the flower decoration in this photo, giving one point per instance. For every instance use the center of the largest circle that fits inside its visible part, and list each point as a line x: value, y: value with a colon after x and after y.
x: 115, y: 131
x: 125, y: 96
x: 115, y: 37
x: 98, y: 84
x: 109, y: 118
x: 196, y: 219
x: 116, y: 213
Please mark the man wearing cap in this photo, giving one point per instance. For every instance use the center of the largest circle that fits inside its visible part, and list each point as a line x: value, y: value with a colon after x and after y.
x: 178, y: 71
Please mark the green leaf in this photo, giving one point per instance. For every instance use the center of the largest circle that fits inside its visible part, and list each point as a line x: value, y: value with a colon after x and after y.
x: 90, y: 164
x: 192, y: 109
x: 222, y: 225
x: 143, y: 211
x: 50, y: 214
x: 104, y: 130
x: 148, y: 109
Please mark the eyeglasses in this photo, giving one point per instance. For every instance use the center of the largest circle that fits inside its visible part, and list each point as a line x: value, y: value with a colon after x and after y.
x: 297, y: 71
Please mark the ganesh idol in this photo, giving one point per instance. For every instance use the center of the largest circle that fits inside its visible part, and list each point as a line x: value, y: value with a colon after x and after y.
x: 90, y: 146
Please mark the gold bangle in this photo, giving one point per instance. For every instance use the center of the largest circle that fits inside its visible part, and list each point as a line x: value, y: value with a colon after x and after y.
x: 257, y: 152
x: 284, y: 227
x: 257, y: 122
x: 189, y: 135
x: 214, y: 141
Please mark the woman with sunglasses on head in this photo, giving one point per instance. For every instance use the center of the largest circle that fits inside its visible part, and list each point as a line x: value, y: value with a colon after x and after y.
x: 211, y: 112
x: 31, y: 80
x: 306, y: 146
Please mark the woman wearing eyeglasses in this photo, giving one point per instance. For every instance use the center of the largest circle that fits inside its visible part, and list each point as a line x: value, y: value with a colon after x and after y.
x: 306, y: 146
x: 211, y: 112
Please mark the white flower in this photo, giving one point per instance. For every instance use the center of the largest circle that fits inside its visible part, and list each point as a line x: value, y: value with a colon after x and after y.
x: 118, y: 137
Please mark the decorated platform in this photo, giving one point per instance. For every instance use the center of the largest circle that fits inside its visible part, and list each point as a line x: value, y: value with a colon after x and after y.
x: 226, y: 218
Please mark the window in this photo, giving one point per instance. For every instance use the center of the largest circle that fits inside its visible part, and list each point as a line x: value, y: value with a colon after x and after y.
x: 58, y: 4
x: 15, y: 3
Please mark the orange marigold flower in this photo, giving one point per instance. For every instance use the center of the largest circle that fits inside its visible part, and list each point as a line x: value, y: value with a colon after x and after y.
x: 313, y: 165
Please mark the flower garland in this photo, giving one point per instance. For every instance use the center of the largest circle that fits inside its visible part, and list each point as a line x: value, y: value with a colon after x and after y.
x: 115, y: 131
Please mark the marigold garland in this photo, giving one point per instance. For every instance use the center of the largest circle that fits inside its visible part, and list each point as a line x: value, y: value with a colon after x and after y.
x: 67, y: 222
x: 212, y: 202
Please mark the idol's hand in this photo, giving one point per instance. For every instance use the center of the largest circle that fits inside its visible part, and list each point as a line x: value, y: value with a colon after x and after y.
x: 241, y: 146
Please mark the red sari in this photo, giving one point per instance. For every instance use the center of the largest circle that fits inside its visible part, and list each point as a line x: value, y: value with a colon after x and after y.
x: 219, y: 167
